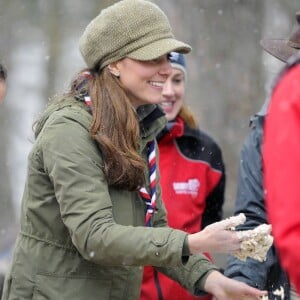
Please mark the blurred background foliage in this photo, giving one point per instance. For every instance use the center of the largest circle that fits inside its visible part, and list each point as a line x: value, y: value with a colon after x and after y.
x: 228, y: 73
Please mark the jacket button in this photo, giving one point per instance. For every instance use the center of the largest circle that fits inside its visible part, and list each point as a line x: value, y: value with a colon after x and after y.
x: 157, y: 253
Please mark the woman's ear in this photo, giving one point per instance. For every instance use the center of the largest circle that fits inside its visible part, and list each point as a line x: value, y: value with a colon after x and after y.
x: 113, y: 69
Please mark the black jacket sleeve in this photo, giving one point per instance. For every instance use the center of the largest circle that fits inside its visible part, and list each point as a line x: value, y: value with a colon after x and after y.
x: 250, y: 201
x: 214, y: 202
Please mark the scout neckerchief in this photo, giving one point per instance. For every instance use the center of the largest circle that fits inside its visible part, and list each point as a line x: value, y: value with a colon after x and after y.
x: 150, y: 198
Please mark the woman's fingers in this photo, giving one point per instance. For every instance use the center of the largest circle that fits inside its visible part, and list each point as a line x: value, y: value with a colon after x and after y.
x: 229, y: 289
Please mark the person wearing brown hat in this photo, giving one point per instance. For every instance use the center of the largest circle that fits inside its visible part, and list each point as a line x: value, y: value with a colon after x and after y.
x: 281, y: 168
x: 283, y: 49
x: 92, y: 214
x: 250, y: 198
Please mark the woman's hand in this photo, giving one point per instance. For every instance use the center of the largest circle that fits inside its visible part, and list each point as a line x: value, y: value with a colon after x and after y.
x: 215, y: 238
x: 223, y: 288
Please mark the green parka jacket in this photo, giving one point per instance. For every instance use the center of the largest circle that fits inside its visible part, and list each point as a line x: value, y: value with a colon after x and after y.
x: 79, y: 237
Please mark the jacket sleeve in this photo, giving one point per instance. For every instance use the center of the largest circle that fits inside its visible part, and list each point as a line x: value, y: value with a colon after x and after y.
x: 73, y: 162
x: 250, y: 201
x: 214, y: 201
x: 192, y: 275
x: 204, y: 148
x: 281, y: 164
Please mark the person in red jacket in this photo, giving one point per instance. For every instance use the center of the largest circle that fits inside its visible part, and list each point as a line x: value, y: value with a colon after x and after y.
x: 281, y: 157
x: 192, y: 177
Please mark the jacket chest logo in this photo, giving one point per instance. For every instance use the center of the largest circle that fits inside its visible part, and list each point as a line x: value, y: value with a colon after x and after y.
x: 191, y: 187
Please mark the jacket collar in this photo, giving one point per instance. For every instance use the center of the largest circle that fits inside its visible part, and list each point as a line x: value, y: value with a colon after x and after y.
x: 152, y: 120
x: 178, y: 128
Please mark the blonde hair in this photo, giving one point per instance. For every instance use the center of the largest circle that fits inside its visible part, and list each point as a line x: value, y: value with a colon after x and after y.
x: 188, y: 117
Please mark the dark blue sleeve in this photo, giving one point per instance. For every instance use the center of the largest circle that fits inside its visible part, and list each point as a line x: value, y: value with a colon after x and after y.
x: 214, y: 201
x: 250, y: 201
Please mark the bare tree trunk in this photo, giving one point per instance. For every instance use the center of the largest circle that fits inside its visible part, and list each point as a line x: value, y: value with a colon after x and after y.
x: 8, y: 224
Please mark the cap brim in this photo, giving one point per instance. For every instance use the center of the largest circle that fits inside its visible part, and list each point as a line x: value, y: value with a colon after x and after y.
x: 159, y: 48
x: 279, y: 48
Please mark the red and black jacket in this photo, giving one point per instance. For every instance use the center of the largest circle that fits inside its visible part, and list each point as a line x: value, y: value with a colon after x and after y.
x: 193, y: 185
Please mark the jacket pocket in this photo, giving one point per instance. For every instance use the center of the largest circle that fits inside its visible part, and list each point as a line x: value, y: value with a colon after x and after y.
x: 53, y: 287
x: 16, y: 288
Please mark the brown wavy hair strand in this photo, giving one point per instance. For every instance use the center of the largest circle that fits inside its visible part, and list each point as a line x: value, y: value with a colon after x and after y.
x: 115, y: 127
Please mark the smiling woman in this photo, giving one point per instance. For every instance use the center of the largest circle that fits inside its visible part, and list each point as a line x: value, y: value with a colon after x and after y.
x: 90, y: 205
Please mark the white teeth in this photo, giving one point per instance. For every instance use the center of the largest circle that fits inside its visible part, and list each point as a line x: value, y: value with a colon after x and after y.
x: 166, y: 104
x: 155, y: 83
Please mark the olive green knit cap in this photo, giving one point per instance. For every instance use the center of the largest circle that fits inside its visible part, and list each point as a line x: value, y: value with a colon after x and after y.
x: 130, y: 28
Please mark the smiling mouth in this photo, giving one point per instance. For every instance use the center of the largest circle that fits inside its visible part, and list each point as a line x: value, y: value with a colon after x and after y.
x: 157, y: 83
x: 167, y: 104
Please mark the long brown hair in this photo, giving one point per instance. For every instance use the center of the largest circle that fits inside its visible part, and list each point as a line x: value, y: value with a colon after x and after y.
x: 115, y: 127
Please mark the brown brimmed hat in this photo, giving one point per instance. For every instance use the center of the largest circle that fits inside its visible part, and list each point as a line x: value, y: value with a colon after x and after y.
x: 283, y: 49
x: 130, y: 28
